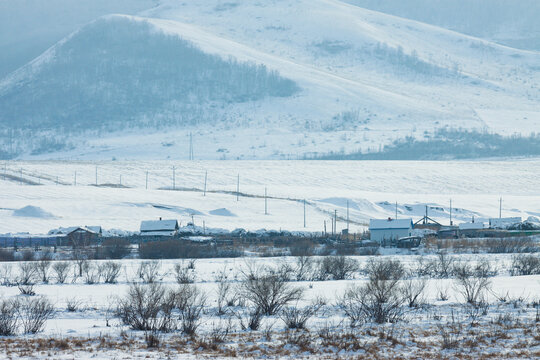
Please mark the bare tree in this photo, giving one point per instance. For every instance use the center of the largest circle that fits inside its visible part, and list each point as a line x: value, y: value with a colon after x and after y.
x: 42, y: 267
x: 91, y: 273
x: 269, y: 292
x: 61, y: 269
x: 192, y: 305
x: 223, y: 292
x: 304, y: 268
x: 6, y: 274
x: 34, y: 312
x: 27, y: 273
x: 525, y: 264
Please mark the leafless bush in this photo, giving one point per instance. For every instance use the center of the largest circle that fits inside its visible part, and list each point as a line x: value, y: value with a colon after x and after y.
x: 413, y: 291
x: 304, y: 268
x: 27, y: 273
x: 9, y: 310
x: 451, y: 333
x: 475, y: 310
x: 183, y: 274
x: 269, y: 292
x: 34, y: 312
x: 42, y: 268
x: 471, y: 282
x: 380, y: 299
x: 250, y: 319
x: 149, y: 271
x: 147, y: 307
x: 109, y: 271
x: 442, y: 293
x: 337, y: 267
x: 443, y: 266
x: 91, y: 273
x: 73, y: 304
x: 61, y: 269
x: 80, y: 255
x: 223, y: 292
x: 6, y: 275
x: 525, y: 264
x: 193, y: 302
x: 296, y: 318
x: 27, y: 289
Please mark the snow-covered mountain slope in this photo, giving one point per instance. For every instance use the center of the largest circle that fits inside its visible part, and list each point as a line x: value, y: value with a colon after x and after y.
x: 362, y: 78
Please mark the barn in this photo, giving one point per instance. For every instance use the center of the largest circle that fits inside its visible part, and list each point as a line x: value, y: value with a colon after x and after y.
x: 386, y: 231
x: 159, y: 227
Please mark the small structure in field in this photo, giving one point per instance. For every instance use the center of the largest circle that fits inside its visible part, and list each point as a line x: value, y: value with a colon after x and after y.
x: 159, y: 227
x: 504, y: 223
x: 388, y: 231
x: 77, y: 235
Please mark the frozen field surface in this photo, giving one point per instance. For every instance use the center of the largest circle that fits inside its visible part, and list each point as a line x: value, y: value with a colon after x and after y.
x: 370, y: 188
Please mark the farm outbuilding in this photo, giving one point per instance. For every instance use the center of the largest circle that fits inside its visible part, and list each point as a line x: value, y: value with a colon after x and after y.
x: 389, y: 230
x: 159, y: 227
x: 503, y: 223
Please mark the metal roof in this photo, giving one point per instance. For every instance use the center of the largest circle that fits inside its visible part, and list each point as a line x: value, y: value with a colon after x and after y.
x: 159, y: 225
x: 380, y: 224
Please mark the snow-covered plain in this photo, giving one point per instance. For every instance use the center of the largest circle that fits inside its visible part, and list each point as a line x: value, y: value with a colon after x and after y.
x: 370, y: 187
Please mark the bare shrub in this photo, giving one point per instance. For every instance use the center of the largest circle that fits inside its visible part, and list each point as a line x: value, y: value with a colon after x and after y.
x: 9, y: 310
x: 525, y: 264
x: 183, y: 274
x: 337, y: 267
x: 269, y: 292
x: 451, y: 333
x: 296, y: 318
x: 73, y: 304
x: 27, y: 289
x: 443, y: 266
x: 149, y: 271
x: 109, y: 271
x: 27, y: 273
x: 80, y: 255
x: 61, y: 270
x: 381, y: 298
x: 442, y: 293
x: 91, y: 273
x: 250, y: 319
x: 42, y: 268
x: 304, y: 268
x: 191, y: 307
x: 223, y: 293
x: 6, y: 275
x: 34, y: 312
x: 471, y: 282
x: 413, y: 291
x: 147, y: 307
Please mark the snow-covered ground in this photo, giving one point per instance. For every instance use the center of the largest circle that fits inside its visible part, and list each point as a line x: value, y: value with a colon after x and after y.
x: 371, y: 189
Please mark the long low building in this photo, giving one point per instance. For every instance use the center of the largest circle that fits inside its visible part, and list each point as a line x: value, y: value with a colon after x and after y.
x: 388, y: 230
x: 159, y: 227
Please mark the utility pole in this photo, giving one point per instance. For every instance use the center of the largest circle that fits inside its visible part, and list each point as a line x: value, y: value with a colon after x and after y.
x: 21, y: 176
x: 265, y: 202
x: 450, y: 212
x: 96, y: 175
x: 57, y: 180
x: 335, y: 222
x: 75, y: 179
x: 174, y: 178
x: 190, y: 146
x: 347, y: 217
x: 120, y: 182
x: 237, y: 187
x: 500, y: 207
x: 305, y: 214
x: 325, y: 228
x: 146, y: 183
x: 396, y: 210
x: 205, y: 178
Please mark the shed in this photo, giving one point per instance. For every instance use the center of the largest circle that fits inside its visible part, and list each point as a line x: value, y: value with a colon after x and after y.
x: 389, y: 230
x: 159, y: 227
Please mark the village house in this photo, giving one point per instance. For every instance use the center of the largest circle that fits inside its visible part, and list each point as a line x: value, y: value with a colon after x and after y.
x: 386, y: 231
x: 159, y: 227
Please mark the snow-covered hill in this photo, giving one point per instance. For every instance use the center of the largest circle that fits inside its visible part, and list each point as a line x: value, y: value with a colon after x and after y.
x: 336, y: 77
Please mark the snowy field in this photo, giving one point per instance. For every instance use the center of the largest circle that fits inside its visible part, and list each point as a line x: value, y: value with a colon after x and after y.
x: 371, y: 189
x: 508, y: 310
